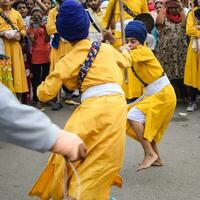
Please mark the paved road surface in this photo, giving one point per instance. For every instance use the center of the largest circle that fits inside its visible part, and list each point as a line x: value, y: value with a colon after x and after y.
x: 178, y: 179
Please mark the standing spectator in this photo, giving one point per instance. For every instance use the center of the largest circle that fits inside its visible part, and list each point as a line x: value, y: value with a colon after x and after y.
x: 40, y: 50
x: 12, y: 30
x: 59, y: 48
x: 96, y: 14
x: 33, y: 3
x: 21, y: 7
x: 48, y: 6
x: 192, y: 71
x: 172, y: 45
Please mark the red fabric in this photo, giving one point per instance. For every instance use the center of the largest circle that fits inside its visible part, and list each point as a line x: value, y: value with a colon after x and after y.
x: 151, y: 7
x: 40, y: 48
x: 173, y: 18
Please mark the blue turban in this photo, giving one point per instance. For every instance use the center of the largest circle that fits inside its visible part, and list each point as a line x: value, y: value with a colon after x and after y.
x: 136, y: 29
x: 72, y: 22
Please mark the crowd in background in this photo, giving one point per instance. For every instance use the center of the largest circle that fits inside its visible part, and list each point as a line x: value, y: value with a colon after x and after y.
x: 26, y: 40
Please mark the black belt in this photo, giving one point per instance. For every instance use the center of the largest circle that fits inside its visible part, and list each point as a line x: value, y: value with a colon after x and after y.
x: 145, y: 84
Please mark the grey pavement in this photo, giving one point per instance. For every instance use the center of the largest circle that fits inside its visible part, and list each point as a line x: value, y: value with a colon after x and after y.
x: 178, y: 179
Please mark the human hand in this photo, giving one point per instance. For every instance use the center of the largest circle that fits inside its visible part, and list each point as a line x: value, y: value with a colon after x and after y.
x: 17, y: 36
x: 124, y: 48
x: 107, y: 35
x: 70, y: 145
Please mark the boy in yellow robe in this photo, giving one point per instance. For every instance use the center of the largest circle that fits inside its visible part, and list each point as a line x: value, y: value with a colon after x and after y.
x: 100, y: 120
x: 148, y: 116
x: 131, y: 86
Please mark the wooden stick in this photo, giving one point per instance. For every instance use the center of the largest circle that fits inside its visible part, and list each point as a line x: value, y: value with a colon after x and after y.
x: 123, y: 35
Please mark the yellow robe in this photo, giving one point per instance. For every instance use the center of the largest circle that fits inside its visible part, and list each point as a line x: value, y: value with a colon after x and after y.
x: 99, y: 121
x: 157, y: 108
x: 64, y: 46
x: 192, y: 66
x: 14, y: 51
x: 134, y: 88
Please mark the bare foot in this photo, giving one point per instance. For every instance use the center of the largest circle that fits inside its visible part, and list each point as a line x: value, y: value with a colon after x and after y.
x: 147, y: 162
x: 157, y: 163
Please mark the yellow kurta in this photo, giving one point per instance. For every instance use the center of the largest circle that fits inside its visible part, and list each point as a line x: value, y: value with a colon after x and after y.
x: 98, y: 19
x: 14, y: 51
x: 94, y: 34
x: 99, y: 121
x: 157, y: 108
x: 64, y: 46
x: 134, y: 88
x: 192, y: 66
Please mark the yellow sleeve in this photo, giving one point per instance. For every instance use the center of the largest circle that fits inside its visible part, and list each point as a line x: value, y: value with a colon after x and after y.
x: 20, y: 24
x: 190, y: 26
x: 142, y: 54
x: 51, y: 22
x: 123, y: 59
x: 108, y: 14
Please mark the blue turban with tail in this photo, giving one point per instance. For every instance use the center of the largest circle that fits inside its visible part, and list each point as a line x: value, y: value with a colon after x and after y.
x: 72, y: 22
x: 136, y: 29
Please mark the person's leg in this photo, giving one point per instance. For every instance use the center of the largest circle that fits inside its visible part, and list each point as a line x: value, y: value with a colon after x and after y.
x: 149, y: 155
x: 182, y: 89
x: 45, y: 70
x: 36, y: 77
x: 193, y: 104
x: 158, y: 162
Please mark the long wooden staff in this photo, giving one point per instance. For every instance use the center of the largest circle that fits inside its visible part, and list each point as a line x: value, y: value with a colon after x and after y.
x: 123, y: 35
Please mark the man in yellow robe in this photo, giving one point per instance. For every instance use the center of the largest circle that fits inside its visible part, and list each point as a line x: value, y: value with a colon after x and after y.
x: 96, y: 14
x: 131, y: 85
x: 100, y: 120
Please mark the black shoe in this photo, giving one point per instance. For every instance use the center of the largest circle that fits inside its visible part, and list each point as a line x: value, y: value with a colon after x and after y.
x: 56, y: 106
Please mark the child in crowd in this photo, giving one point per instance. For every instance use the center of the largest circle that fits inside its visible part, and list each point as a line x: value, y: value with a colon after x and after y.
x: 21, y: 7
x: 33, y: 3
x: 48, y: 6
x: 148, y: 116
x: 40, y: 50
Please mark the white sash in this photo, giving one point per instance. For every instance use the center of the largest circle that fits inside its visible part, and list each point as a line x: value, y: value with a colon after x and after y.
x: 101, y: 90
x: 154, y: 87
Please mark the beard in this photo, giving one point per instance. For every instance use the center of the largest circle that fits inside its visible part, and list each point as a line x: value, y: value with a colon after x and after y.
x: 95, y: 7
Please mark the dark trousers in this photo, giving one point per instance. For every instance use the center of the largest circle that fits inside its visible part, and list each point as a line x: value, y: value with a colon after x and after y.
x: 192, y: 93
x: 180, y: 88
x: 39, y: 73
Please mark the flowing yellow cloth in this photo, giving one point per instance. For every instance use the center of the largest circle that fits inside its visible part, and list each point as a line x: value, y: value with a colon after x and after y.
x: 14, y: 51
x: 157, y: 108
x: 134, y: 88
x: 192, y: 65
x: 99, y: 121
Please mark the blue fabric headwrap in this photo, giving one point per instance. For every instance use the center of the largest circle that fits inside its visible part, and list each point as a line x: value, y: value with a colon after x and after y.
x: 72, y: 22
x: 136, y: 29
